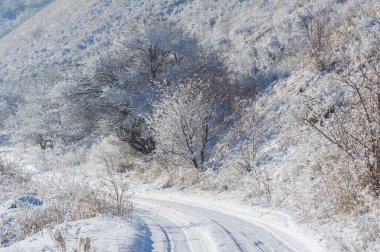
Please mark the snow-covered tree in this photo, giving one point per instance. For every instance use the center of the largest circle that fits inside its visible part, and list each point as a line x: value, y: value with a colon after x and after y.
x: 185, y: 120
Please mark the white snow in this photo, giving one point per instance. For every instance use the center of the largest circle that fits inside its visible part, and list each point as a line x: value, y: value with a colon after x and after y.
x: 111, y: 234
x: 243, y: 34
x: 180, y: 222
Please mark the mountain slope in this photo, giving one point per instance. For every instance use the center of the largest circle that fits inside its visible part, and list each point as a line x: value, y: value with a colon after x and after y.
x: 274, y: 152
x: 13, y: 13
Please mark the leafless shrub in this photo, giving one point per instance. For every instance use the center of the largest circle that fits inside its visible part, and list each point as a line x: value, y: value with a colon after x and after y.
x: 87, y: 204
x: 340, y: 183
x: 318, y: 33
x: 247, y: 157
x: 9, y: 173
x: 32, y: 219
x: 118, y: 185
x: 165, y: 165
x: 60, y: 235
x: 13, y: 180
x: 348, y: 119
x: 60, y: 239
x: 75, y: 202
x: 354, y: 127
x: 85, y: 244
x: 261, y: 187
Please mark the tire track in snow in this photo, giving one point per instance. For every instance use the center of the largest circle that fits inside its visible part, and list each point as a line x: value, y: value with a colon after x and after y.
x: 143, y: 242
x: 230, y: 235
x: 190, y: 227
x: 169, y: 245
x: 261, y: 246
x: 175, y: 238
x: 164, y: 232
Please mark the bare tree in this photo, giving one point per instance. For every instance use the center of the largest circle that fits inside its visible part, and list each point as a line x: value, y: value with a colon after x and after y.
x: 186, y: 120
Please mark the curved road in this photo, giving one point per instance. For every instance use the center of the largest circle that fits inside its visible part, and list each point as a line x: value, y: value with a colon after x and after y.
x: 175, y: 226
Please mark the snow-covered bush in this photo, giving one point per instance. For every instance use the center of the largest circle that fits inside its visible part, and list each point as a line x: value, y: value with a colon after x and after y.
x: 368, y: 229
x: 318, y: 31
x: 117, y: 184
x: 28, y: 220
x: 13, y: 180
x: 10, y: 173
x: 72, y: 200
x: 244, y: 155
x: 111, y: 159
x: 353, y: 123
x: 343, y: 110
x: 113, y: 149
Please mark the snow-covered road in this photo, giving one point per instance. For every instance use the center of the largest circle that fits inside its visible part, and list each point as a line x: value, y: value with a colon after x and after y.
x: 174, y: 225
x: 166, y: 223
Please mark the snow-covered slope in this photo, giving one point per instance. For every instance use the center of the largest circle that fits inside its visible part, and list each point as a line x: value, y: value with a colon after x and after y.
x: 259, y: 43
x: 14, y: 12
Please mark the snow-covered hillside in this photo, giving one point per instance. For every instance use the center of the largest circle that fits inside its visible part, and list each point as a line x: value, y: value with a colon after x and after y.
x: 14, y: 12
x: 273, y: 103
